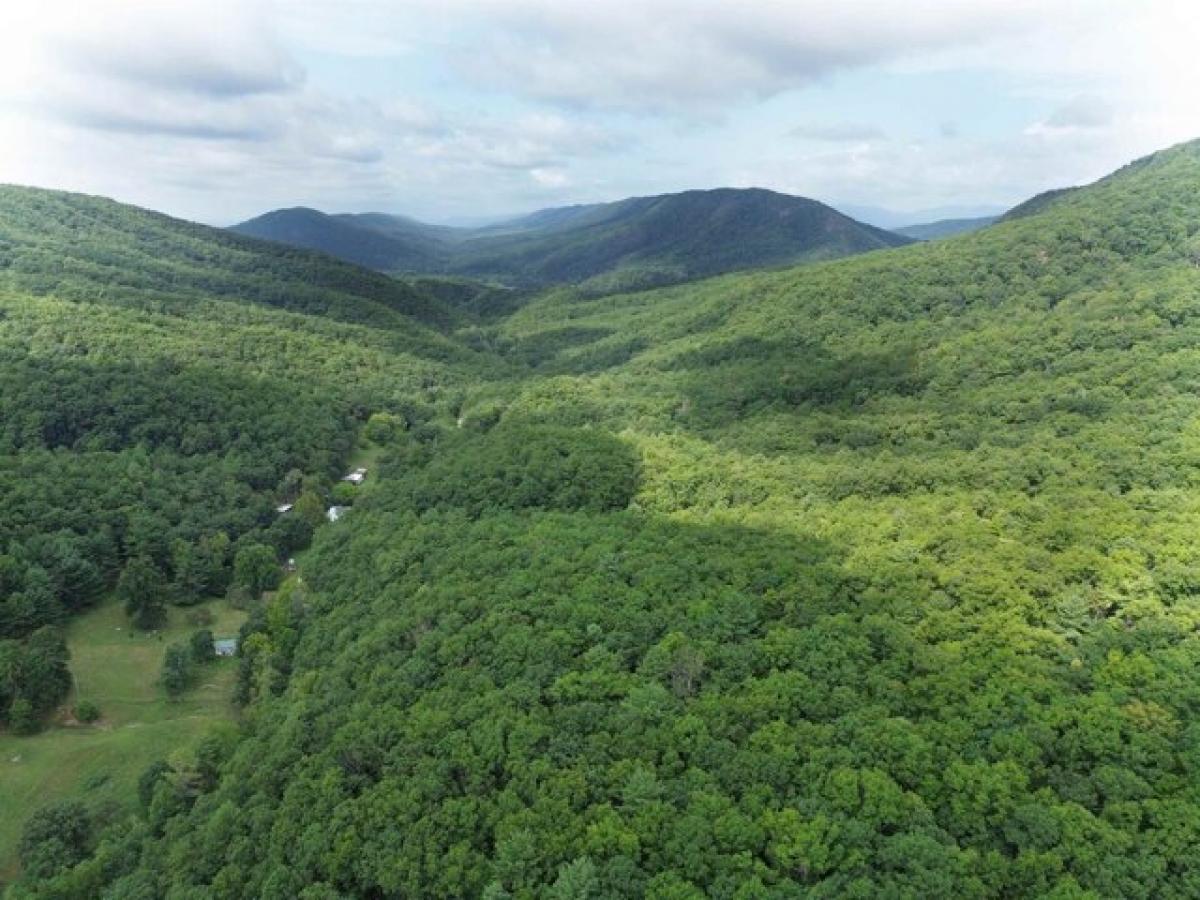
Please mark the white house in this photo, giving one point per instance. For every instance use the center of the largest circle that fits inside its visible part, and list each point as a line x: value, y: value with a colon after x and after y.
x: 225, y: 647
x: 356, y: 477
x: 335, y: 512
x: 283, y: 507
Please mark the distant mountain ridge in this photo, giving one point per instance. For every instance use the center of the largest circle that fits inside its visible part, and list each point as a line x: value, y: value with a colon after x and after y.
x: 942, y: 228
x: 895, y: 220
x: 638, y: 241
x: 373, y: 240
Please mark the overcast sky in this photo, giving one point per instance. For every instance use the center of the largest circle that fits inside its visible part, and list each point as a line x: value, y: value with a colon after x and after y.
x: 217, y: 110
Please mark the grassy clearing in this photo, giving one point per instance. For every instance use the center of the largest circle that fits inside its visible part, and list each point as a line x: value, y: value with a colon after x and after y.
x: 366, y: 453
x: 118, y: 669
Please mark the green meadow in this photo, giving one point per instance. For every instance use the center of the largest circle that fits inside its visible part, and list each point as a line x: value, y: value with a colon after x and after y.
x: 117, y: 668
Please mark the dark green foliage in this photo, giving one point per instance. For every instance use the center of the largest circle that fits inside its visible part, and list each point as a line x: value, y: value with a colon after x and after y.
x: 177, y: 669
x: 201, y: 646
x: 484, y: 301
x: 149, y: 780
x: 525, y: 468
x: 55, y: 838
x: 309, y: 510
x: 256, y: 569
x: 87, y: 712
x: 141, y: 589
x: 34, y: 678
x: 384, y: 427
x: 201, y: 569
x: 21, y: 717
x: 289, y: 533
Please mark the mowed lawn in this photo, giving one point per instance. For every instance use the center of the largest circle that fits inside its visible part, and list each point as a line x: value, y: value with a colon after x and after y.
x: 117, y: 668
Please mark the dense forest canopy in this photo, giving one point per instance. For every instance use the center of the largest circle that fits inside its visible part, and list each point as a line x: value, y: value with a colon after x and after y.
x: 162, y: 387
x: 874, y: 578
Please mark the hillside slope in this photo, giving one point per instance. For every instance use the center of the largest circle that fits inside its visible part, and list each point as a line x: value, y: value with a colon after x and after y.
x: 635, y: 242
x: 868, y: 578
x: 671, y: 237
x: 163, y: 387
x: 72, y: 245
x: 1036, y: 203
x: 376, y: 241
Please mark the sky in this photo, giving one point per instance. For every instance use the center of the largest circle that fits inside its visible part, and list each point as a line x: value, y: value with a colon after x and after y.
x: 459, y: 110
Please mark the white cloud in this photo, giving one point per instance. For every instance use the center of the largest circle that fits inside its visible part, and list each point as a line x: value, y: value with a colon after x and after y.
x: 551, y: 178
x: 837, y: 132
x: 211, y: 105
x: 689, y: 56
x: 221, y: 48
x: 913, y: 175
x: 1082, y: 113
x: 166, y: 67
x: 220, y: 108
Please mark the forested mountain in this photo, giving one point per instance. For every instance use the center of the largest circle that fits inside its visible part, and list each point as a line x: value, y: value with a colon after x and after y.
x: 377, y: 241
x: 163, y: 386
x: 872, y: 578
x: 631, y: 243
x: 671, y: 237
x: 88, y: 248
x: 1036, y: 203
x: 931, y: 231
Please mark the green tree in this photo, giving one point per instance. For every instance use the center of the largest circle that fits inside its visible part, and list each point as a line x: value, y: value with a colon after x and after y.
x: 176, y: 670
x: 576, y: 881
x: 142, y: 589
x: 87, y: 711
x: 22, y: 717
x: 44, y: 677
x: 201, y: 646
x: 189, y: 583
x: 55, y: 838
x: 679, y: 661
x: 309, y: 509
x: 212, y: 563
x: 256, y: 569
x: 149, y: 780
x: 383, y: 427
